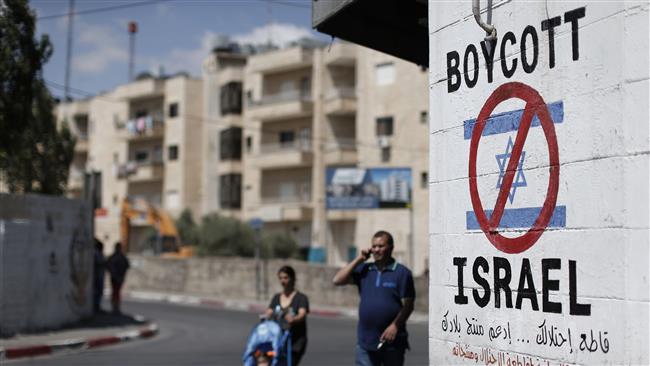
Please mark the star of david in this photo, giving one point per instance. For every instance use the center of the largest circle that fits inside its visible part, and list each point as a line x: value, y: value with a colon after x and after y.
x: 520, y: 178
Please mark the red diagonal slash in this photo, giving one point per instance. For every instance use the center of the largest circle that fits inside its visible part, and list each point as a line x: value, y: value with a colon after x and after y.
x: 535, y: 105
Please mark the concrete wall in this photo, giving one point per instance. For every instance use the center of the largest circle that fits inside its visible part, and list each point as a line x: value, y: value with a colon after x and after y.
x: 564, y: 284
x: 234, y: 278
x: 46, y: 261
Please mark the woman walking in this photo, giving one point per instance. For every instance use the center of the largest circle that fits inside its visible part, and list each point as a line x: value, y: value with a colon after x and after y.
x: 295, y: 305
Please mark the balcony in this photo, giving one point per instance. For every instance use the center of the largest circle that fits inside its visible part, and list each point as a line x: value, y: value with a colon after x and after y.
x: 144, y: 129
x: 340, y: 152
x: 146, y: 171
x: 340, y: 102
x: 289, y: 104
x: 292, y: 205
x: 280, y: 155
x: 282, y: 211
x: 230, y: 166
x: 341, y: 54
x: 281, y: 60
x: 146, y: 88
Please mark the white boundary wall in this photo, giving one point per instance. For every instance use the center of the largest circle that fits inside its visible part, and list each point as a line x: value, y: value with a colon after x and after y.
x: 593, y: 305
x: 46, y: 262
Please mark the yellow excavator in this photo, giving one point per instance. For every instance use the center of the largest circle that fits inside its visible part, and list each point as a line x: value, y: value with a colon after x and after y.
x: 169, y: 242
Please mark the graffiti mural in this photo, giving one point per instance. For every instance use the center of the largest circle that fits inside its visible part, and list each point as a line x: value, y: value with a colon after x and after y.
x: 532, y: 241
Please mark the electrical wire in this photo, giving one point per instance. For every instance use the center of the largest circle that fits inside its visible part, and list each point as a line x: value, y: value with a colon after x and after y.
x: 295, y: 4
x: 101, y: 10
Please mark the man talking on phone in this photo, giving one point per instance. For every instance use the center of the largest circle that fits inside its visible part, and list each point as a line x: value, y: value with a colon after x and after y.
x: 387, y: 295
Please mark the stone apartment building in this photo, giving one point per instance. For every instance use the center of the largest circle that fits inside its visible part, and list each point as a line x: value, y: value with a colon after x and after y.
x: 139, y: 141
x: 304, y: 110
x: 253, y: 138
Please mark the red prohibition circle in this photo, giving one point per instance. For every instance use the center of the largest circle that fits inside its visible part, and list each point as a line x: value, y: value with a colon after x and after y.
x: 535, y: 105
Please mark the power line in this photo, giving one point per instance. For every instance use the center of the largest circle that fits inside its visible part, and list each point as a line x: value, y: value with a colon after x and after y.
x: 101, y: 10
x: 295, y: 4
x: 323, y: 140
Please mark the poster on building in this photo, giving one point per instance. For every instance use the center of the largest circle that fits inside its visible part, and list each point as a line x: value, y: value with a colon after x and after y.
x: 368, y: 188
x: 539, y: 166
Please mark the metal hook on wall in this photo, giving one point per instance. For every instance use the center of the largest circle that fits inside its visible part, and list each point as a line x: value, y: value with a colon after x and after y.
x: 488, y: 28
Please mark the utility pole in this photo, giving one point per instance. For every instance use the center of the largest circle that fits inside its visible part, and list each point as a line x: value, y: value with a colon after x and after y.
x: 68, y: 52
x: 133, y: 29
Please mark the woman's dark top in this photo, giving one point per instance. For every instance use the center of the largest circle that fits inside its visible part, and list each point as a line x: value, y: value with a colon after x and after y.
x: 298, y: 330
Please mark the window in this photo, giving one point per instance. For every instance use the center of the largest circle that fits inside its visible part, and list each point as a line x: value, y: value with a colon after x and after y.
x: 385, y: 73
x: 286, y: 138
x: 173, y: 110
x: 230, y: 143
x: 305, y: 87
x: 249, y: 143
x: 141, y: 155
x: 385, y: 154
x: 424, y: 116
x: 230, y: 191
x: 172, y: 152
x: 230, y: 95
x: 424, y: 179
x: 384, y: 126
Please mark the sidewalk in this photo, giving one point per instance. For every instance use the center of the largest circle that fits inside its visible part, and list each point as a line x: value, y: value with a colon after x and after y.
x: 100, y: 330
x: 247, y: 305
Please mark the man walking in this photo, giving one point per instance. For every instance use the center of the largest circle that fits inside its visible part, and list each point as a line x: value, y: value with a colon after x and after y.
x: 117, y: 265
x: 387, y: 295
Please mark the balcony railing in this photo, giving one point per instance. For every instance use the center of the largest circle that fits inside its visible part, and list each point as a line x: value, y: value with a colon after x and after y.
x: 302, y: 144
x: 342, y: 92
x: 301, y: 194
x: 346, y: 143
x: 131, y: 168
x: 287, y: 96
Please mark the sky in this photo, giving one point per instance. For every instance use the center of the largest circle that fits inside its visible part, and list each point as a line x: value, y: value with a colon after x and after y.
x: 176, y: 35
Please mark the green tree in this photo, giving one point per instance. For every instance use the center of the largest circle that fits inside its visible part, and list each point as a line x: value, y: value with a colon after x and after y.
x: 35, y: 155
x: 281, y: 245
x: 225, y: 236
x: 187, y: 228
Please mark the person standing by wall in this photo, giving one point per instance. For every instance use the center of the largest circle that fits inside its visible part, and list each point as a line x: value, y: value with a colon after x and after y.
x: 295, y: 305
x: 99, y: 276
x: 387, y: 296
x: 117, y: 265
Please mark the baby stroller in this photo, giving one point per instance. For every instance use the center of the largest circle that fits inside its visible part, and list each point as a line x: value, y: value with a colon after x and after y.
x: 269, y: 343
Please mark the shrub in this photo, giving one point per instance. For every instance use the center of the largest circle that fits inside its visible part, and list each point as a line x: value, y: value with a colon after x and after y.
x: 225, y: 236
x: 281, y: 245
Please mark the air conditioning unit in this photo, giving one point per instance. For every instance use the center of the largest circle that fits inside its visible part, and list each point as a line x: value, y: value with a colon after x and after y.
x: 383, y: 141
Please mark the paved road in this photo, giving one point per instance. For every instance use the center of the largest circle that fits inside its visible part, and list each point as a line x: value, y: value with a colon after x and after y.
x: 203, y: 336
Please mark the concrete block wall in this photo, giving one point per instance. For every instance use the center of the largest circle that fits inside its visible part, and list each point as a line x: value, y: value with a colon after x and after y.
x: 46, y: 262
x: 234, y: 278
x: 565, y: 286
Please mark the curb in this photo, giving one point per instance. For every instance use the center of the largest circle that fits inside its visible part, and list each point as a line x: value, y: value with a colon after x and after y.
x: 70, y: 344
x: 248, y: 306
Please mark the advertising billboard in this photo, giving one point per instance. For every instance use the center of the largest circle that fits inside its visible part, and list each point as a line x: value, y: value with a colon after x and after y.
x: 368, y: 188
